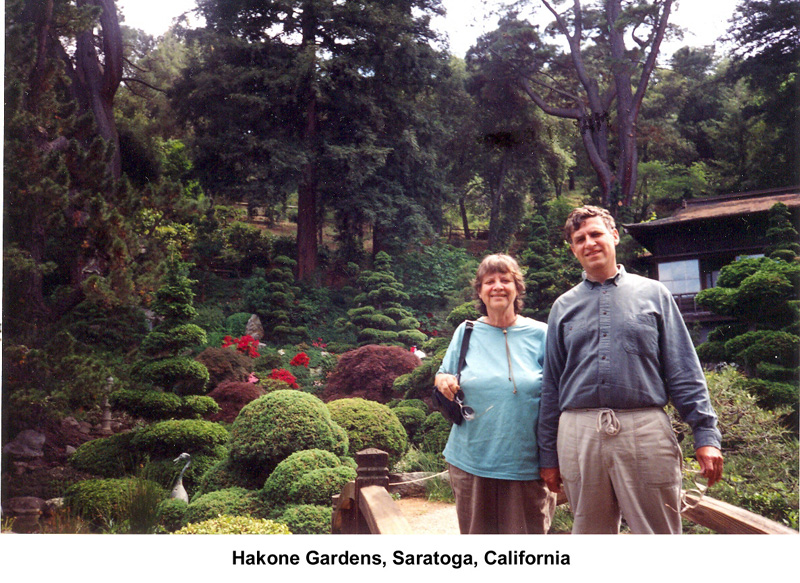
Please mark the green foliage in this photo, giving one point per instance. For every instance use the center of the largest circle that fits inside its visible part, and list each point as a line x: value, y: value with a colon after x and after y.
x: 370, y: 424
x: 380, y: 316
x: 235, y: 525
x: 761, y: 459
x: 419, y: 382
x: 153, y: 405
x: 318, y: 486
x: 411, y: 418
x: 109, y: 457
x: 173, y: 437
x: 230, y: 501
x: 276, y: 425
x: 288, y: 471
x: 172, y: 514
x: 114, y: 328
x: 431, y: 273
x: 435, y: 431
x: 307, y: 518
x: 466, y: 311
x: 107, y: 502
x: 222, y: 475
x: 273, y: 296
x: 167, y: 366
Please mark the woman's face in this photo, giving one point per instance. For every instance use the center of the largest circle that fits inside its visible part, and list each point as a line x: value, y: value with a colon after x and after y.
x: 498, y: 292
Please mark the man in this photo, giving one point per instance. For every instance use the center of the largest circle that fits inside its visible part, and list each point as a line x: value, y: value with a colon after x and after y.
x: 617, y: 352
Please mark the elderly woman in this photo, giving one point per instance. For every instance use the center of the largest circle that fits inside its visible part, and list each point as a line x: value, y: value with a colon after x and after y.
x: 492, y: 457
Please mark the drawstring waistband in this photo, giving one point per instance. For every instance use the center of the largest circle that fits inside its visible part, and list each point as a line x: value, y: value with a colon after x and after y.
x: 607, y: 421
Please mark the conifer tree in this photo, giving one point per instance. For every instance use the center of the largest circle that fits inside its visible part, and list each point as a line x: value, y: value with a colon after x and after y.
x: 273, y: 296
x: 380, y: 316
x: 166, y: 364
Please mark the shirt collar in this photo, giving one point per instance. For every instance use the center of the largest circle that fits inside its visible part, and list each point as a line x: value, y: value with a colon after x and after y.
x: 616, y: 280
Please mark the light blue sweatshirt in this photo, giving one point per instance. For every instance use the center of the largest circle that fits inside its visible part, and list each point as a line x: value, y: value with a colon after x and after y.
x: 501, y: 442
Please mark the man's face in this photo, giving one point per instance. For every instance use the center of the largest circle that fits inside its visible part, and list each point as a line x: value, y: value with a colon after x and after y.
x: 595, y: 247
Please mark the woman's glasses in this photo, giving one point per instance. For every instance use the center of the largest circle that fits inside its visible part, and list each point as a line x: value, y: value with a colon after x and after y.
x: 467, y: 412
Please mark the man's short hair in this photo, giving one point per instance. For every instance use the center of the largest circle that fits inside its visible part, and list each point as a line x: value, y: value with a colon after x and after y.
x: 580, y: 214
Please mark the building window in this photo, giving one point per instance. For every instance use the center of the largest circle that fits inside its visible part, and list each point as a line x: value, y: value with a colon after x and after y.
x: 680, y: 277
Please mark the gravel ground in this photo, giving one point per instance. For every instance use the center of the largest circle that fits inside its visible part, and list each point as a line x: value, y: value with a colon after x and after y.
x: 429, y: 517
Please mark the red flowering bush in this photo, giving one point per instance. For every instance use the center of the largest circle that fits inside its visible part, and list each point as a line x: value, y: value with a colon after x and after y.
x: 284, y: 375
x: 319, y: 343
x: 300, y: 359
x: 246, y: 345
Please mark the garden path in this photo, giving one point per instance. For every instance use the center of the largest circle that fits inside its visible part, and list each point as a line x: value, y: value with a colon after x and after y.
x: 428, y: 516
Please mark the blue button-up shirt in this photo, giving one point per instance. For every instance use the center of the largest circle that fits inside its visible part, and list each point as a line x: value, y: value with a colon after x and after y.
x: 621, y: 344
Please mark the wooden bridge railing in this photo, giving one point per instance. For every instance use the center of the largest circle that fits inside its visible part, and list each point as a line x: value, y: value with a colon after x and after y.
x: 366, y: 507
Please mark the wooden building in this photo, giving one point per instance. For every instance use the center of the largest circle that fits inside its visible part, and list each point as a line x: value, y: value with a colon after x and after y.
x: 687, y: 250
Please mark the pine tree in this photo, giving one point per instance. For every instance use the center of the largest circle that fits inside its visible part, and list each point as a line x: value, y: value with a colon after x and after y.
x: 380, y: 316
x: 166, y: 364
x: 273, y: 296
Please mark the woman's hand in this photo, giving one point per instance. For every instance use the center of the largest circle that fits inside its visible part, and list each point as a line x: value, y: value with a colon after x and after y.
x: 447, y: 385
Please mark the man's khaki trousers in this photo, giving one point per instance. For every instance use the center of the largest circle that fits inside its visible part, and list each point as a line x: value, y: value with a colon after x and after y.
x: 621, y: 463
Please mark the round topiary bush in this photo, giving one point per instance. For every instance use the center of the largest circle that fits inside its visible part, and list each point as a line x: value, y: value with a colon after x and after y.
x: 231, y: 501
x: 171, y: 514
x: 318, y: 486
x: 289, y: 471
x: 369, y: 372
x: 224, y: 474
x: 307, y: 518
x: 435, y: 432
x: 235, y: 525
x: 412, y: 419
x: 370, y: 424
x: 109, y: 457
x: 231, y: 397
x: 173, y: 437
x: 271, y: 428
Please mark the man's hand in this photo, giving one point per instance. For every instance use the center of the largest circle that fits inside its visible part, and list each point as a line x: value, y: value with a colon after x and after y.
x: 710, y: 460
x: 447, y: 385
x: 551, y: 477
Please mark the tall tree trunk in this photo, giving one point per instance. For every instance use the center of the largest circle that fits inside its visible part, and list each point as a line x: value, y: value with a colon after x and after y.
x: 462, y: 207
x: 97, y: 83
x: 307, y: 191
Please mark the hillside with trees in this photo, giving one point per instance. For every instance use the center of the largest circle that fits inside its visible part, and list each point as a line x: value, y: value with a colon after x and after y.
x: 212, y: 235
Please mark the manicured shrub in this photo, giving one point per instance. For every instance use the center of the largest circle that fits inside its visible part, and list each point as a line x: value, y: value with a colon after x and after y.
x: 370, y: 424
x: 417, y: 385
x: 318, y: 486
x: 173, y: 437
x: 276, y: 425
x: 197, y: 407
x: 109, y: 457
x: 231, y: 397
x: 412, y: 419
x: 307, y: 518
x: 172, y: 514
x: 369, y: 372
x: 289, y: 471
x: 165, y: 471
x: 152, y: 405
x: 225, y: 364
x: 235, y: 525
x: 178, y: 374
x: 435, y: 431
x: 415, y: 403
x: 231, y: 501
x: 224, y: 474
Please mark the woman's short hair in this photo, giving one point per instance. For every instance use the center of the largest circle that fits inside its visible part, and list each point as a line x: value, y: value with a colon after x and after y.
x: 580, y: 214
x: 499, y: 263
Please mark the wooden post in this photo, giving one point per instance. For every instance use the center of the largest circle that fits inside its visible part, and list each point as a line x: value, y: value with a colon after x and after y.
x: 365, y: 506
